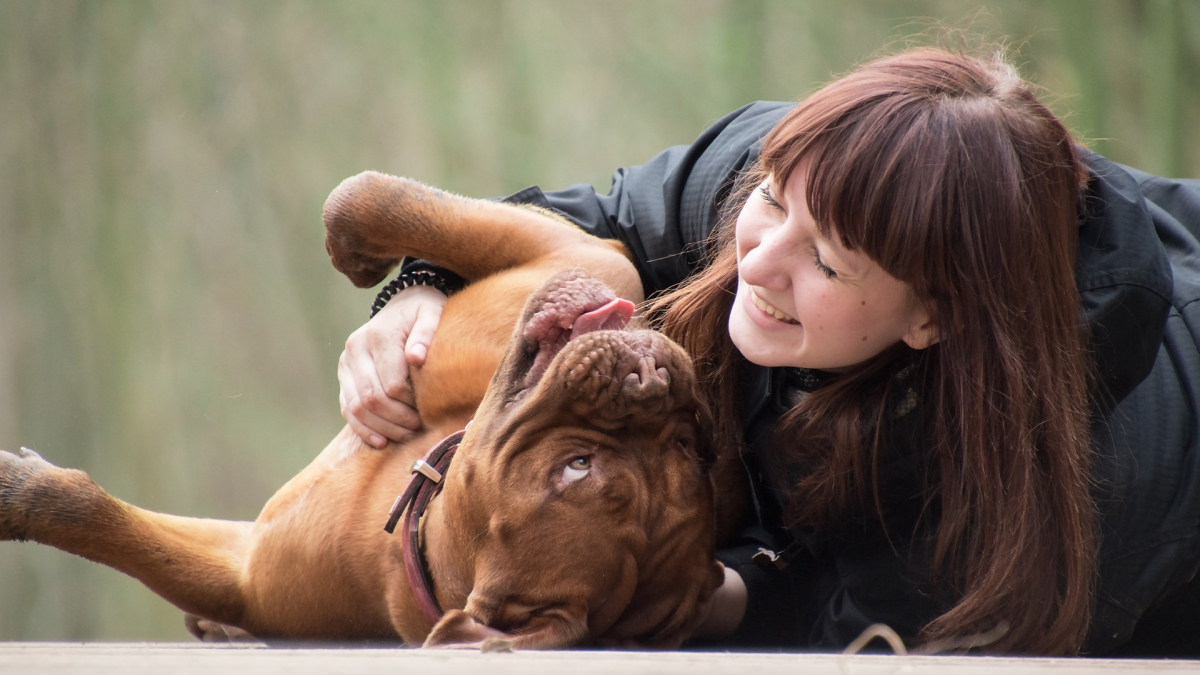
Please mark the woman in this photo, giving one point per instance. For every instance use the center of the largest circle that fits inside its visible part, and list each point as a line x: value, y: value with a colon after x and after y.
x: 884, y: 288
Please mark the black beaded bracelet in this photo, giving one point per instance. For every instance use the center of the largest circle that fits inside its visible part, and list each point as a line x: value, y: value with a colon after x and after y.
x: 420, y: 273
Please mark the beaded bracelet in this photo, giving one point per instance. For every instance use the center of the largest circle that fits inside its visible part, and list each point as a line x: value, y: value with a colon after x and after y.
x: 418, y: 273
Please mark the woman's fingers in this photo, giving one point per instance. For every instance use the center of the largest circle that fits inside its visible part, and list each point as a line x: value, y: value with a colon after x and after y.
x: 726, y: 609
x: 376, y: 393
x: 425, y: 324
x: 367, y: 434
x: 372, y: 413
x: 389, y: 369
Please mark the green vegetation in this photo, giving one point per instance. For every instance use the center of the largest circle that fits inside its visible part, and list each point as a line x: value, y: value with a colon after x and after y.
x: 169, y: 320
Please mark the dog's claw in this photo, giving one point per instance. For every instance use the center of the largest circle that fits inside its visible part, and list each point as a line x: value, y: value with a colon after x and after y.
x: 213, y: 631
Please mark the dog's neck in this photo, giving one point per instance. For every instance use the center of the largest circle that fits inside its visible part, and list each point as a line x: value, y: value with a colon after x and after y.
x: 443, y: 544
x: 446, y: 410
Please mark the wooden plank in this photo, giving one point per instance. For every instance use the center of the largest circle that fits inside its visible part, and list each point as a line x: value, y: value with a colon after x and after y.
x: 134, y: 658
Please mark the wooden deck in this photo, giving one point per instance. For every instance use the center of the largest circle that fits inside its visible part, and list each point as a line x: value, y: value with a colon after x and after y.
x: 31, y: 658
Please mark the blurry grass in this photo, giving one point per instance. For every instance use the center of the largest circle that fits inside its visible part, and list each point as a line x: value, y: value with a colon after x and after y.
x: 169, y: 321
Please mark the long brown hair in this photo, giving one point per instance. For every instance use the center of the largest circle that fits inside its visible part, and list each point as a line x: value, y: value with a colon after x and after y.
x: 945, y: 170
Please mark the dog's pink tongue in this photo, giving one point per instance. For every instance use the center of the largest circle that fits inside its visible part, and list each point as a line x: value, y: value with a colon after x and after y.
x: 614, y: 315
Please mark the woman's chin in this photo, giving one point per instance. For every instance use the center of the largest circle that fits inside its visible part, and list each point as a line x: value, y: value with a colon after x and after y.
x: 753, y: 345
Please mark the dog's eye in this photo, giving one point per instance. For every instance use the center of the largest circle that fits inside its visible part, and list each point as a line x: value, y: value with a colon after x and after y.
x: 576, y: 469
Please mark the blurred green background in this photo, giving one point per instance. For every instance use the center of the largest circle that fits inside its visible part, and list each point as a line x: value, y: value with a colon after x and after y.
x: 169, y: 321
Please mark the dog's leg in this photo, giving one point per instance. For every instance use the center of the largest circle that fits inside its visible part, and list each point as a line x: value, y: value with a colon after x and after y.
x: 193, y: 563
x: 372, y: 220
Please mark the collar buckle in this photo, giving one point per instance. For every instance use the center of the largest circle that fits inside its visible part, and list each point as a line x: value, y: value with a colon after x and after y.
x: 425, y: 469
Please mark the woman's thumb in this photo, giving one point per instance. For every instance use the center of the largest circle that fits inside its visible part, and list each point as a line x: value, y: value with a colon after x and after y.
x: 416, y: 348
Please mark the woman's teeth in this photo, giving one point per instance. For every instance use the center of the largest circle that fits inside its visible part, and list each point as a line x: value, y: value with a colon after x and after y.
x: 759, y: 303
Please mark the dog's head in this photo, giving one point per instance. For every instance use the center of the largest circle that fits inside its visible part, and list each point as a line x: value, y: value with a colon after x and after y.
x: 581, y: 487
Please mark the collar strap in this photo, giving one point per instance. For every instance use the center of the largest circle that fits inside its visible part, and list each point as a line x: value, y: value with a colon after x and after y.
x: 426, y: 482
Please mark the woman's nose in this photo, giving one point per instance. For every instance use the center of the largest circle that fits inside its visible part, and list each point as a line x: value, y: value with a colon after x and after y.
x: 766, y: 264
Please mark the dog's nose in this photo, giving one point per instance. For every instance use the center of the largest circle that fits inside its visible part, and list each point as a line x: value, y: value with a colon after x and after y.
x: 648, y: 381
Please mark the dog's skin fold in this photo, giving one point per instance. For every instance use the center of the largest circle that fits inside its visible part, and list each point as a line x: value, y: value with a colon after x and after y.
x: 578, y: 509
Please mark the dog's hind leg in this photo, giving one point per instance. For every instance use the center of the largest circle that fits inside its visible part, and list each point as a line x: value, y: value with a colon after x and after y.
x: 194, y: 563
x: 372, y: 220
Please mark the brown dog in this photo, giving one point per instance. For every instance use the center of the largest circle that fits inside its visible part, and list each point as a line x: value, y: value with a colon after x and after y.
x: 576, y: 511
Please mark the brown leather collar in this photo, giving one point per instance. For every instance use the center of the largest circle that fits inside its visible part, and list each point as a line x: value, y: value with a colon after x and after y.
x: 425, y: 484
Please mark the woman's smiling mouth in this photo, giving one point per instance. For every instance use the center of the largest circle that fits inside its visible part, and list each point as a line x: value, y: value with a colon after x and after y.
x: 771, y: 310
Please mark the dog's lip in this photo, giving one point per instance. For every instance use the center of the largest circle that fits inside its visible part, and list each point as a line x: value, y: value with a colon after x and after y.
x: 613, y: 315
x: 629, y: 339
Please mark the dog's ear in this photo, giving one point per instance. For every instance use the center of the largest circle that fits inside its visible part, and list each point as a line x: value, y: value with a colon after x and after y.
x: 457, y: 629
x: 554, y: 629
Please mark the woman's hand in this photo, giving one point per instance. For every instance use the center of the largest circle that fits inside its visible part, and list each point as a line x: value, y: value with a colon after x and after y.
x: 376, y: 394
x: 725, y: 610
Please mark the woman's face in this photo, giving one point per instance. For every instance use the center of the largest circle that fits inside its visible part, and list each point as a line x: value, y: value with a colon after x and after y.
x: 804, y: 300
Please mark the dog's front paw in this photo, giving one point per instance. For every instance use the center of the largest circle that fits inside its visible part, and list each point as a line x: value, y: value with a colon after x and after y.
x: 358, y: 218
x: 18, y: 471
x: 362, y: 270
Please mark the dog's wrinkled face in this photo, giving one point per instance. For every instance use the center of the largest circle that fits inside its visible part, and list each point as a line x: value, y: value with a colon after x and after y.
x: 585, y: 503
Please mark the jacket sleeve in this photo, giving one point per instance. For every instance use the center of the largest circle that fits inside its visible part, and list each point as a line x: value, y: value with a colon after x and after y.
x: 824, y: 599
x: 773, y: 615
x: 664, y: 209
x: 872, y: 584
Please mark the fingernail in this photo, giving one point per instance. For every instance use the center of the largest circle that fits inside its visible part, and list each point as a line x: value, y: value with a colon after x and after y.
x: 419, y: 352
x: 378, y: 441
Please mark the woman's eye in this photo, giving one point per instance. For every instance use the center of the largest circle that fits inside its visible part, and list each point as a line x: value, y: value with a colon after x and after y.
x: 828, y: 271
x: 576, y: 469
x: 765, y: 191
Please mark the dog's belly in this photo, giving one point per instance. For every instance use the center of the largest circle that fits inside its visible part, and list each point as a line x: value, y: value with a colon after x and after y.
x: 321, y: 564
